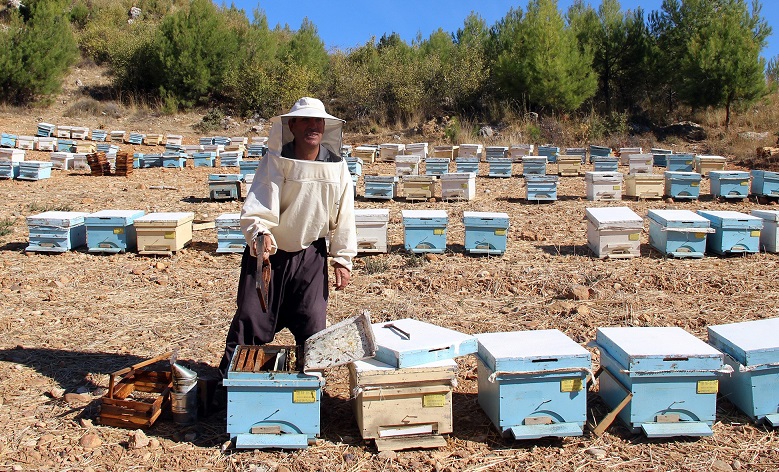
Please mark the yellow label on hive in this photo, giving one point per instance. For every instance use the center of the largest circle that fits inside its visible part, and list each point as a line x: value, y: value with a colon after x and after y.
x: 118, y: 230
x: 438, y: 231
x: 694, y: 184
x: 634, y: 236
x: 425, y: 187
x: 500, y: 232
x: 700, y: 235
x: 755, y: 233
x: 708, y: 386
x: 571, y: 385
x: 170, y: 235
x: 617, y: 187
x: 303, y: 396
x: 464, y: 185
x: 744, y: 183
x: 434, y: 400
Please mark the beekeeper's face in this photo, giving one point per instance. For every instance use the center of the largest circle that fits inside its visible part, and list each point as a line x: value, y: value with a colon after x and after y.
x: 307, y: 130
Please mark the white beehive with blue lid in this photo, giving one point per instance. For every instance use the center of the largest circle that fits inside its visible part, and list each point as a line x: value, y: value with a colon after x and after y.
x: 424, y: 230
x: 163, y: 233
x: 734, y: 232
x: 669, y: 377
x: 769, y: 235
x: 678, y: 233
x: 56, y: 231
x: 485, y: 232
x: 229, y: 237
x: 752, y: 350
x: 729, y: 184
x: 380, y: 187
x: 371, y: 225
x: 614, y: 232
x: 533, y: 384
x: 8, y: 169
x: 764, y: 183
x: 541, y: 188
x: 355, y: 165
x: 682, y: 185
x: 112, y: 231
x: 458, y: 186
x: 603, y: 185
x: 408, y: 343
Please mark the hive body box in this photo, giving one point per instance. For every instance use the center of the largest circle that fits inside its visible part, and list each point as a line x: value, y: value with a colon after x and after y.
x: 437, y: 165
x: 203, y: 159
x: 418, y: 187
x: 605, y: 163
x: 417, y: 149
x: 424, y: 230
x: 408, y: 343
x: 230, y: 158
x: 34, y: 170
x: 551, y: 153
x: 603, y: 185
x: 644, y: 186
x: 466, y: 164
x: 569, y: 165
x: 679, y: 162
x: 8, y: 169
x: 581, y: 152
x: 678, y: 233
x: 56, y: 231
x: 517, y: 151
x: 471, y: 151
x: 224, y: 186
x: 392, y: 404
x: 485, y: 232
x: 366, y: 153
x: 499, y: 167
x: 164, y: 232
x: 706, y: 164
x: 354, y: 164
x: 626, y: 153
x: 372, y: 228
x: 112, y: 231
x: 229, y: 237
x: 659, y: 156
x: 532, y: 384
x: 388, y: 151
x: 407, y: 165
x: 765, y: 183
x: 682, y: 185
x: 614, y: 232
x: 769, y: 236
x: 458, y: 186
x: 271, y: 408
x: 672, y: 375
x: 533, y: 165
x: 248, y: 166
x: 640, y: 164
x: 541, y: 188
x: 754, y: 356
x: 729, y: 184
x: 734, y: 232
x: 600, y: 151
x: 380, y: 187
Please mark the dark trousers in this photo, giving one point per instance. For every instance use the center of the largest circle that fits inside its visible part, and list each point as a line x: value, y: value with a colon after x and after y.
x: 297, y: 299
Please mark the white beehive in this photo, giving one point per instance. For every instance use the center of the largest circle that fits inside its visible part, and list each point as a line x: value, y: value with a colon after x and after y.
x: 458, y: 185
x: 614, y: 232
x: 371, y: 230
x: 603, y: 185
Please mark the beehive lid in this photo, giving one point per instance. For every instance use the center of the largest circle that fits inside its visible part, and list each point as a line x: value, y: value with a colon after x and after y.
x: 710, y: 158
x: 470, y: 217
x: 614, y: 217
x: 380, y: 178
x: 425, y: 343
x: 424, y: 214
x: 666, y: 217
x: 645, y: 177
x: 731, y: 219
x: 63, y: 219
x: 538, y: 178
x: 408, y: 159
x: 225, y: 218
x: 728, y: 174
x: 127, y: 216
x: 419, y: 178
x: 604, y: 176
x: 770, y: 215
x: 458, y: 176
x: 533, y: 158
x: 673, y: 174
x: 658, y: 349
x: 366, y: 214
x: 374, y: 372
x: 165, y: 219
x: 751, y: 343
x: 531, y: 351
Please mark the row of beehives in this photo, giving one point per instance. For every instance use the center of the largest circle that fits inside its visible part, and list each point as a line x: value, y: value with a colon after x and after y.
x: 531, y: 384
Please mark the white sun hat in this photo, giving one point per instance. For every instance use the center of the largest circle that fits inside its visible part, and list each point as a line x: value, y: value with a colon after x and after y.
x: 306, y: 107
x: 310, y: 108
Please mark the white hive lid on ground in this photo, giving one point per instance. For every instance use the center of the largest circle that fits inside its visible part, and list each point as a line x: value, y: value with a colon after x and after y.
x: 529, y: 351
x: 751, y: 343
x: 613, y: 217
x: 409, y: 342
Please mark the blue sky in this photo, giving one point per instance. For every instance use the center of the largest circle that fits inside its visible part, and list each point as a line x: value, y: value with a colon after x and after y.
x: 346, y: 24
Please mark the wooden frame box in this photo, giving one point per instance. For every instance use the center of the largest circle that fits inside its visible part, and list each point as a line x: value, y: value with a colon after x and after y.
x: 418, y: 187
x: 706, y: 164
x: 569, y: 165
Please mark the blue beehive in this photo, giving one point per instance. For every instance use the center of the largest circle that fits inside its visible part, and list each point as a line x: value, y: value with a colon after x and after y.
x: 99, y: 135
x: 424, y: 230
x: 753, y: 353
x: 112, y: 231
x: 9, y: 169
x: 152, y: 160
x: 485, y: 232
x: 46, y: 130
x: 380, y: 187
x: 532, y: 384
x: 437, y: 165
x: 229, y: 237
x: 66, y: 145
x: 499, y: 167
x: 248, y: 166
x: 600, y: 151
x: 682, y: 185
x: 174, y: 159
x: 230, y: 158
x: 550, y: 152
x: 582, y: 152
x: 56, y: 231
x: 734, y: 232
x: 729, y: 184
x: 467, y: 164
x: 671, y: 376
x: 135, y: 138
x: 203, y: 159
x: 408, y: 343
x: 533, y: 165
x: 138, y: 160
x: 541, y: 188
x: 107, y: 148
x: 355, y: 165
x: 605, y: 163
x: 206, y: 140
x: 679, y: 162
x: 8, y: 140
x: 678, y: 233
x: 659, y: 156
x: 224, y: 186
x: 495, y: 152
x: 765, y: 183
x: 269, y: 403
x: 256, y: 150
x: 34, y: 170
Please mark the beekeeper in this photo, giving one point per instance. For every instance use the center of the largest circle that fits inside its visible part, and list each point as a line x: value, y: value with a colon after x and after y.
x: 302, y: 191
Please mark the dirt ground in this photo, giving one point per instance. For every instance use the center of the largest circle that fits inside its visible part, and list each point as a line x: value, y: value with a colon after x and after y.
x: 68, y: 320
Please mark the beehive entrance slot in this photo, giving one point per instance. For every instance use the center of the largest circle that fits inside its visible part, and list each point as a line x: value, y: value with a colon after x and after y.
x: 675, y: 359
x: 544, y: 360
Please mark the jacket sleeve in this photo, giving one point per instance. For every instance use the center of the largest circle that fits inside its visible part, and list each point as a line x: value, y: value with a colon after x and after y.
x: 343, y: 242
x: 260, y: 211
